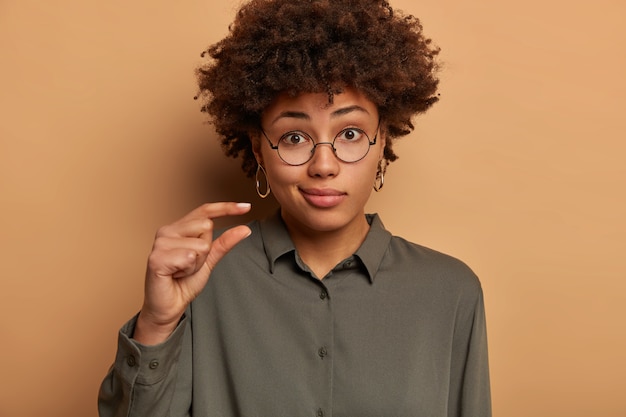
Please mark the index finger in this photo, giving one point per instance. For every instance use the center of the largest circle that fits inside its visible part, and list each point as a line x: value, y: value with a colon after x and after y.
x: 220, y: 209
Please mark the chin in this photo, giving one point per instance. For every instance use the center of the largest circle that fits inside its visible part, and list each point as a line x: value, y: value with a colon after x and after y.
x: 325, y: 220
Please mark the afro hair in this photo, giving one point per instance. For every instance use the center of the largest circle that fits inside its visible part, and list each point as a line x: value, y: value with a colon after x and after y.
x: 302, y: 46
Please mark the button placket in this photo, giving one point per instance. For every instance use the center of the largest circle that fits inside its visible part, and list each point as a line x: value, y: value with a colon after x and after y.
x: 324, y: 344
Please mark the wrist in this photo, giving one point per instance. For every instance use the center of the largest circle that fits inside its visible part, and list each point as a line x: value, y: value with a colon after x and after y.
x: 149, y: 332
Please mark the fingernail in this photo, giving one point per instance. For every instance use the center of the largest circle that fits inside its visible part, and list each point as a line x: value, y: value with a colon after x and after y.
x: 244, y: 205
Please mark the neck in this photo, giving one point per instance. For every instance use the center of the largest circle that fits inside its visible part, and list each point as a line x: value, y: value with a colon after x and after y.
x: 323, y: 250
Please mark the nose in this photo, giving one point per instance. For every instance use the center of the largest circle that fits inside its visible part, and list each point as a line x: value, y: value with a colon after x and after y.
x: 332, y: 146
x: 324, y: 162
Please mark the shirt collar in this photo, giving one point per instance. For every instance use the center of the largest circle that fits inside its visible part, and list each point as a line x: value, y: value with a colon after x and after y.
x: 276, y: 239
x: 277, y: 242
x: 375, y: 245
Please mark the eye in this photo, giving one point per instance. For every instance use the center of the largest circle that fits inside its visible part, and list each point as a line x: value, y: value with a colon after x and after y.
x: 294, y: 138
x: 351, y: 135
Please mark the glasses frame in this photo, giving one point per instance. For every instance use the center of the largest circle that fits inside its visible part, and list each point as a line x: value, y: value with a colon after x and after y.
x: 332, y: 145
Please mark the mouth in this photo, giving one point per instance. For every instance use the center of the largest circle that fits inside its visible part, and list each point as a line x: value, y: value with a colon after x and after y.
x: 323, y: 198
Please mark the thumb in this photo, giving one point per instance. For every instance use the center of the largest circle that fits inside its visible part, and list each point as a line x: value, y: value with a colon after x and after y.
x: 223, y: 244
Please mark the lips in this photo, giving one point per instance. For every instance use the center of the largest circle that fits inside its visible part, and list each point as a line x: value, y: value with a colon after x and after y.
x: 323, y: 198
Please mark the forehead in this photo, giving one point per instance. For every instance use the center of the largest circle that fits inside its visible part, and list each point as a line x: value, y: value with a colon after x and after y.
x: 311, y: 106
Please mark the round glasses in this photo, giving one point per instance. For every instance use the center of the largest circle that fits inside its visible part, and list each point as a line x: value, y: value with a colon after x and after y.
x: 297, y: 147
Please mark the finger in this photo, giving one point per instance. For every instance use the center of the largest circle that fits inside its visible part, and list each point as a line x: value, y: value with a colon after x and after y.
x: 187, y: 228
x: 214, y: 210
x: 198, y: 223
x: 198, y: 245
x: 178, y: 261
x: 223, y: 244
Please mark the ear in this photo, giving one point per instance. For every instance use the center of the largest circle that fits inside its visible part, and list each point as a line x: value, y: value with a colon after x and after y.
x: 255, y: 141
x: 382, y: 139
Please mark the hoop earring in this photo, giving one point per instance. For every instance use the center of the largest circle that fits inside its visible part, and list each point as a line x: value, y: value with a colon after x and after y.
x: 259, y: 168
x: 380, y: 176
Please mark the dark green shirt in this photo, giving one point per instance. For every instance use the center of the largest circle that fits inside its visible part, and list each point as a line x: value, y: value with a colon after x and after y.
x: 395, y: 330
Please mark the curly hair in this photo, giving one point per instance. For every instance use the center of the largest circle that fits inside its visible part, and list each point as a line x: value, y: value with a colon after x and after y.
x: 304, y: 46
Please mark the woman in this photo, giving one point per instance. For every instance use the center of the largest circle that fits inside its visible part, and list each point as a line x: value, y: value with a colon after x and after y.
x: 318, y: 310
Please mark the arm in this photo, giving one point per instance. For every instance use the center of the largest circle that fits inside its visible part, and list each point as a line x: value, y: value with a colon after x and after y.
x: 470, y: 394
x: 146, y: 378
x: 143, y: 380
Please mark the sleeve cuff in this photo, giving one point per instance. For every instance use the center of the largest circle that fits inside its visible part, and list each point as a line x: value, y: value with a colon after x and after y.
x: 147, y: 365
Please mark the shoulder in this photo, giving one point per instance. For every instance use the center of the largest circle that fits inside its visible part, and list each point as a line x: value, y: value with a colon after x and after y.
x: 416, y: 253
x: 417, y: 262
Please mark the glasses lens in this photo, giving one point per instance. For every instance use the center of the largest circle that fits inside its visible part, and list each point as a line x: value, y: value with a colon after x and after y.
x: 351, y: 145
x: 297, y: 148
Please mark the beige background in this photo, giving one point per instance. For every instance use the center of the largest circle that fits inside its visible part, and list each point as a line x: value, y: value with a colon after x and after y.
x: 519, y: 171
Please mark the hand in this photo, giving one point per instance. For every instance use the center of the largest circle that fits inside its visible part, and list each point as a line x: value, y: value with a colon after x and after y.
x: 179, y: 266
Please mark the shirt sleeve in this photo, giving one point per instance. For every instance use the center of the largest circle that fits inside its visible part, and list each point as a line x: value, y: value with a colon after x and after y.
x: 470, y: 394
x: 143, y: 379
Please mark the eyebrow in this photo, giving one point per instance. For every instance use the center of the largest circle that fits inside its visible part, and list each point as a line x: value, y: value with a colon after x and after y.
x: 304, y: 116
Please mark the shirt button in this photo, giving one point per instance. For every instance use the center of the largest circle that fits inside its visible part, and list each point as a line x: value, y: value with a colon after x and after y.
x: 154, y: 364
x: 322, y: 352
x: 323, y: 294
x: 348, y: 264
x: 320, y: 412
x: 131, y: 361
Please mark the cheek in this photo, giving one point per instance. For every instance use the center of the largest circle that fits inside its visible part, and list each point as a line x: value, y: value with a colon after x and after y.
x: 278, y: 174
x: 364, y: 177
